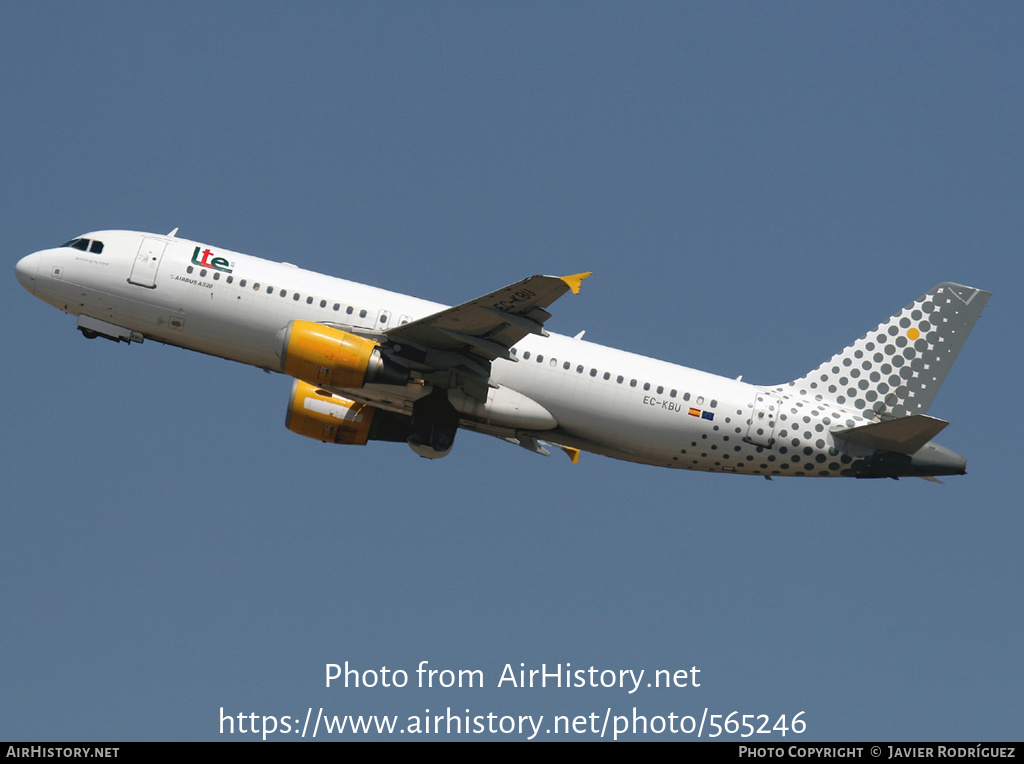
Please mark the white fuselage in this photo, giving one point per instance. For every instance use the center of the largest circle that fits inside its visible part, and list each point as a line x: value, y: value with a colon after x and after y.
x: 605, y: 401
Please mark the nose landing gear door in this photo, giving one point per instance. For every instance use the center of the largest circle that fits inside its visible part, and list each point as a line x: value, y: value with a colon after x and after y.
x: 147, y: 262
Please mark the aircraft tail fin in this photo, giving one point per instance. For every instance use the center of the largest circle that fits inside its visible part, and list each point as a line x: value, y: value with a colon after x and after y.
x: 895, y: 370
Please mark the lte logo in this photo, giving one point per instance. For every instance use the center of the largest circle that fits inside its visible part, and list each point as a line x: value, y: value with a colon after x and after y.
x: 209, y: 261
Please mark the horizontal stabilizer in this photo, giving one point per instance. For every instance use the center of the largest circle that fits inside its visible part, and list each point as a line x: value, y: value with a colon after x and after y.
x: 905, y: 435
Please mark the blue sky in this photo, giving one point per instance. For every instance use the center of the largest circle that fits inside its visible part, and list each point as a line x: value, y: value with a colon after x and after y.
x: 753, y: 186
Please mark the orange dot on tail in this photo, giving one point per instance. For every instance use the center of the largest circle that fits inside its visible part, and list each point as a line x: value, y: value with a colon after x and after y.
x: 913, y: 333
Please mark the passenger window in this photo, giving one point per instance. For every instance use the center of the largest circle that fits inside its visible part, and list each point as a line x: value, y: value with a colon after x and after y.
x: 540, y: 359
x: 241, y: 283
x: 647, y: 385
x: 593, y: 372
x: 349, y: 310
x: 189, y: 269
x: 566, y: 366
x: 296, y: 297
x: 202, y: 273
x: 579, y: 369
x: 607, y: 375
x: 284, y: 292
x: 526, y: 355
x: 309, y: 301
x: 632, y: 383
x: 619, y: 379
x: 216, y: 275
x: 270, y: 290
x: 362, y: 314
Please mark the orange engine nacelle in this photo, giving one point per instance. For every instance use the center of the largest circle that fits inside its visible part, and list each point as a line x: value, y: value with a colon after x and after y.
x: 317, y: 414
x: 328, y: 357
x: 330, y: 418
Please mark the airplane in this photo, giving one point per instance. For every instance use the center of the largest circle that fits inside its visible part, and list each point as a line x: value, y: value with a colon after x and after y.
x: 370, y: 364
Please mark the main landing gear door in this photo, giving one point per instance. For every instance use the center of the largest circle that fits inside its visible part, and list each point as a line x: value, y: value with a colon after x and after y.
x: 762, y: 421
x: 147, y: 262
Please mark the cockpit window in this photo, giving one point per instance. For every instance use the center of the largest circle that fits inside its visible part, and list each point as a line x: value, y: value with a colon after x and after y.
x: 86, y: 245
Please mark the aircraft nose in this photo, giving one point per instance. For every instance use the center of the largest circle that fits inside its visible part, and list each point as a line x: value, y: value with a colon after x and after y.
x: 27, y: 270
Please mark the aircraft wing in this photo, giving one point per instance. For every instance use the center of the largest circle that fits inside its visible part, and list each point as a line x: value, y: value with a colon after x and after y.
x: 467, y: 337
x: 488, y: 326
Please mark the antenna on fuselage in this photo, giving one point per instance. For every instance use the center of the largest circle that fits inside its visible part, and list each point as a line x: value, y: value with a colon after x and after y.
x: 173, y: 233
